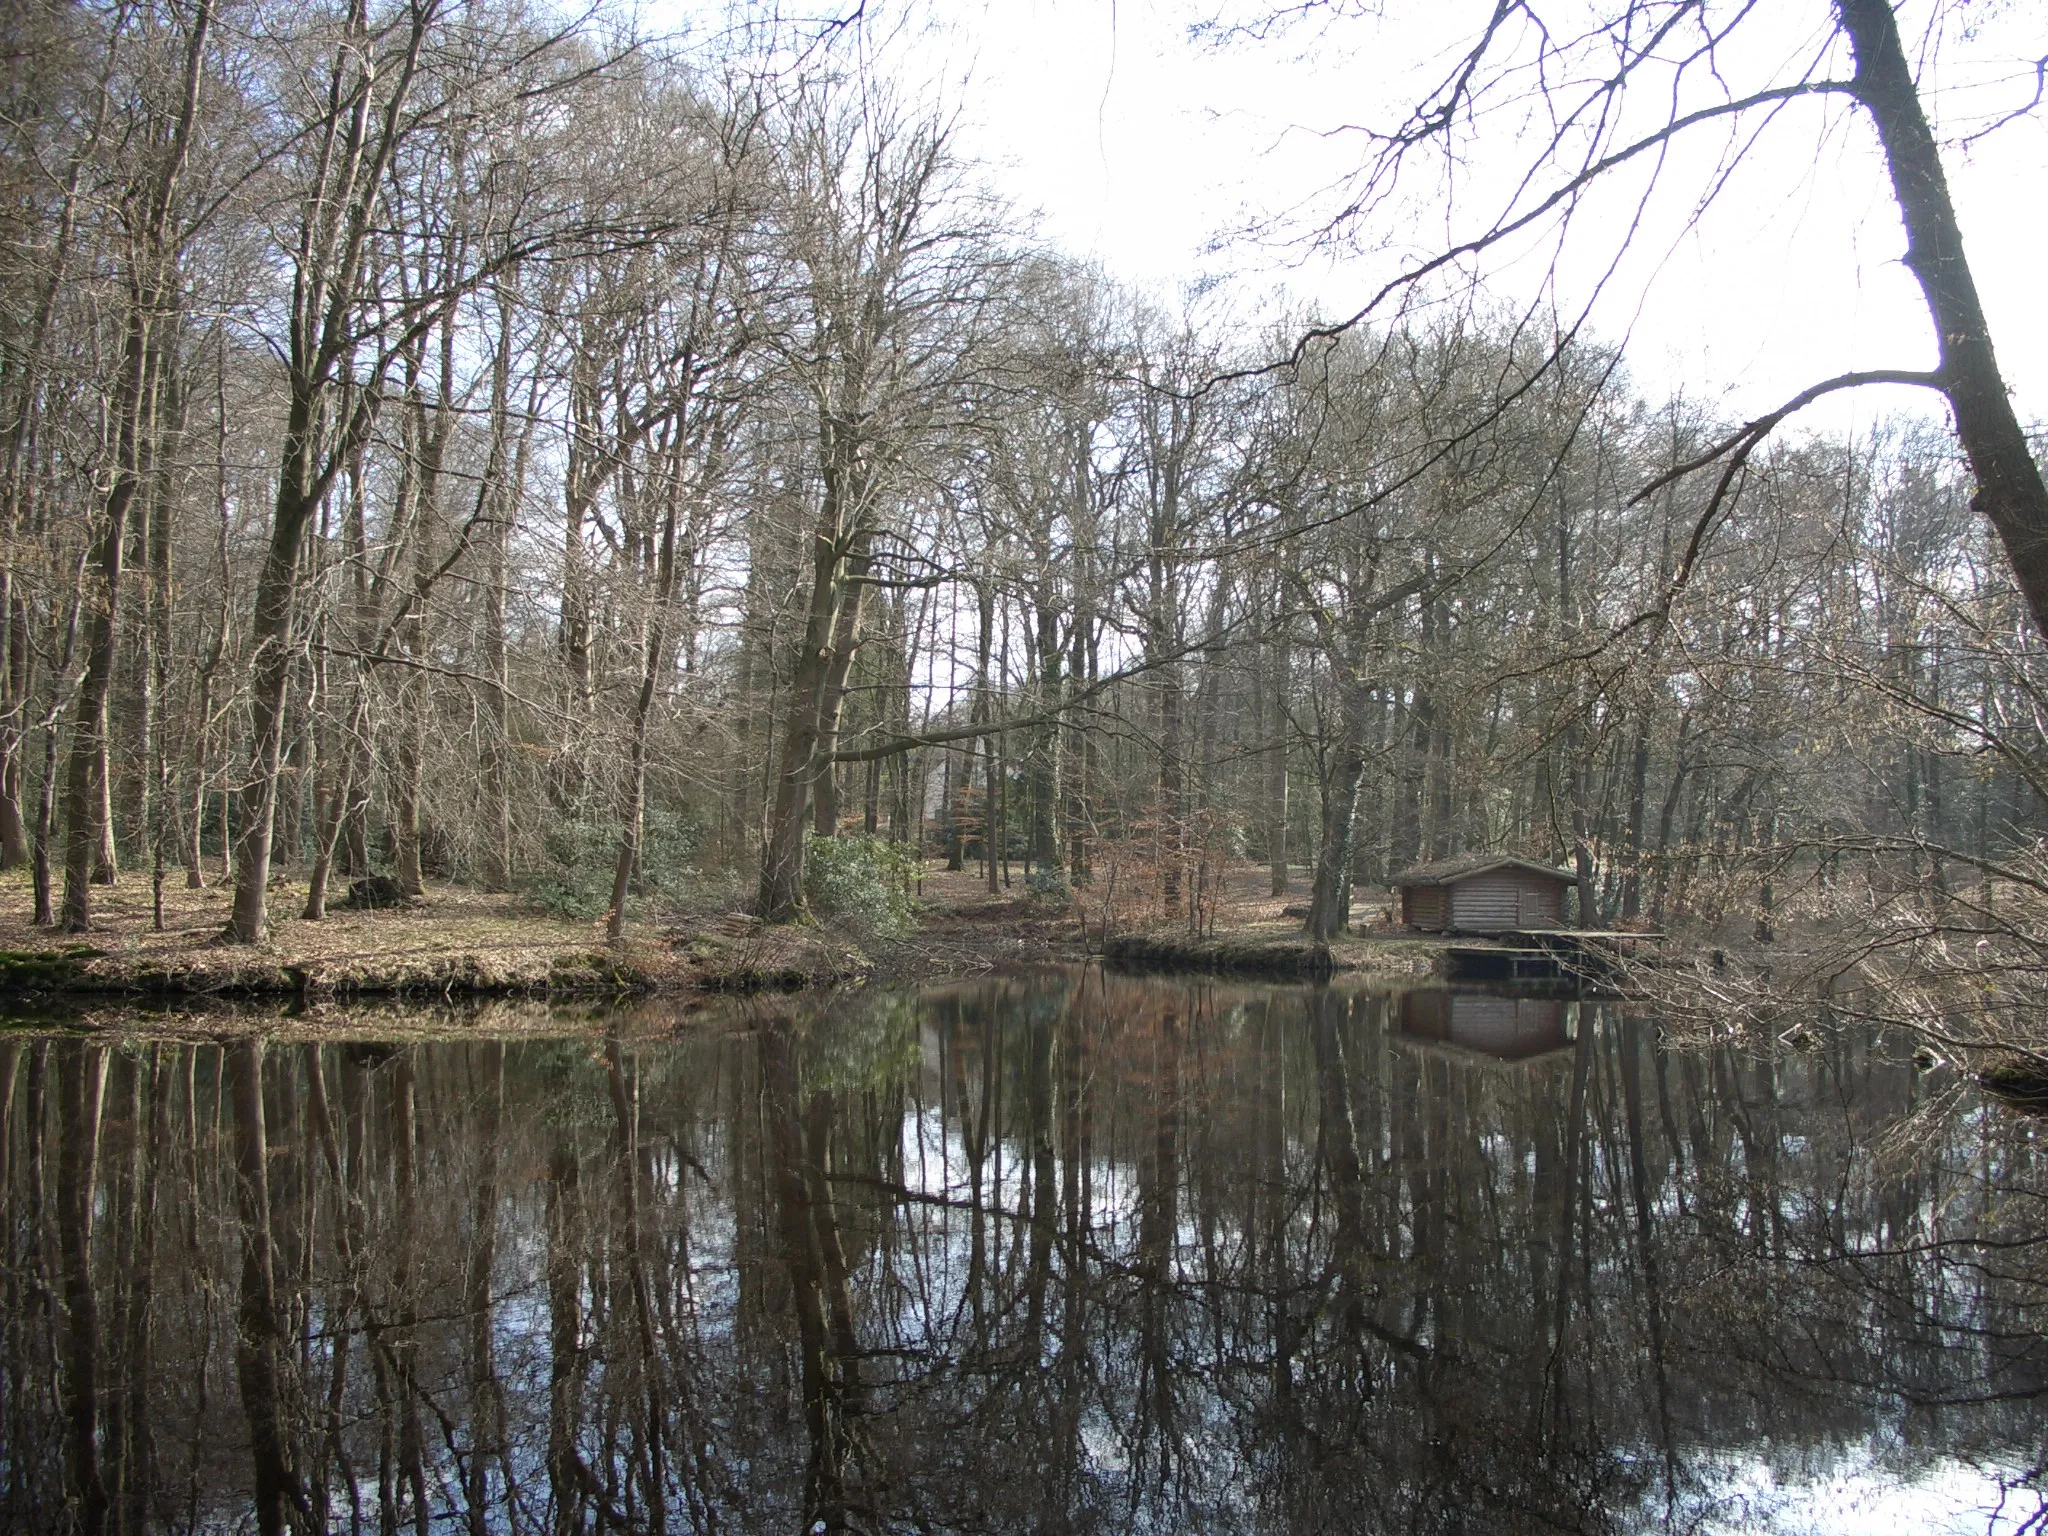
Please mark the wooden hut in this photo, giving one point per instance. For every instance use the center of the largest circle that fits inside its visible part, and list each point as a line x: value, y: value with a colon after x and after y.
x: 1483, y: 893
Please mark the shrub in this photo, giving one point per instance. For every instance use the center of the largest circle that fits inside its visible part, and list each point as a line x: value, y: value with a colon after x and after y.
x: 859, y: 880
x: 1048, y: 884
x: 578, y: 858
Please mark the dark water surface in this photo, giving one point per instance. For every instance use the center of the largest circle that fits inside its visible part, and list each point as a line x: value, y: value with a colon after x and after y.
x: 1062, y: 1253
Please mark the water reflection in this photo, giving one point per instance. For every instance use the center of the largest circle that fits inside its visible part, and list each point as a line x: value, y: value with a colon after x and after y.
x: 1497, y: 1024
x: 1067, y: 1254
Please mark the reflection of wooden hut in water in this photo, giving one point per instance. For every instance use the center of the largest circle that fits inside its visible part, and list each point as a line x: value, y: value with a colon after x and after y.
x: 1507, y: 1028
x: 1483, y: 893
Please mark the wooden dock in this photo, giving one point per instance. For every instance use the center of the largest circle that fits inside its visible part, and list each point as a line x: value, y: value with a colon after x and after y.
x: 1575, y: 955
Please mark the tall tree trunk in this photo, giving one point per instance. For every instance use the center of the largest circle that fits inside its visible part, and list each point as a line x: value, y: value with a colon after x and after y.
x: 18, y: 486
x: 201, y: 729
x: 1329, y: 908
x: 833, y: 615
x: 845, y: 639
x: 426, y: 436
x: 1082, y: 751
x: 14, y: 694
x: 1275, y: 701
x: 957, y: 766
x: 506, y: 472
x: 1632, y: 827
x: 333, y: 817
x: 1350, y: 650
x: 1574, y: 755
x: 1171, y: 775
x: 653, y: 661
x: 151, y: 258
x: 1044, y: 842
x: 2010, y: 490
x: 270, y: 666
x: 586, y: 473
x: 159, y: 817
x: 357, y: 140
x: 86, y: 789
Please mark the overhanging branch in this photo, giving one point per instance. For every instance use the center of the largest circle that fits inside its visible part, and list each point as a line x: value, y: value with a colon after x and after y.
x: 897, y: 745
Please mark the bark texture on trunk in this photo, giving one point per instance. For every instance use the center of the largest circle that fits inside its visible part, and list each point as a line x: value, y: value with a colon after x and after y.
x: 2010, y: 490
x: 152, y: 301
x: 1276, y: 770
x: 85, y: 792
x: 270, y: 673
x: 1329, y: 908
x: 782, y: 862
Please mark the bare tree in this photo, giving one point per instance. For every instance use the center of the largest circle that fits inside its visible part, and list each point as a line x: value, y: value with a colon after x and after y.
x: 1586, y: 72
x: 892, y: 272
x: 152, y: 234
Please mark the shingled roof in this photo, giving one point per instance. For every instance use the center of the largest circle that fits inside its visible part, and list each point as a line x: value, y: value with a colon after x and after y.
x: 1463, y: 865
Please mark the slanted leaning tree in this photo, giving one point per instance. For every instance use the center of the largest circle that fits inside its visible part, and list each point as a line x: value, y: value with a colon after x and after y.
x: 1690, y: 61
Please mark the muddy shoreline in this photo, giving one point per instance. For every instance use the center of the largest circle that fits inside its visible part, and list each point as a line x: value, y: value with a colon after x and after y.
x: 462, y: 944
x: 687, y: 962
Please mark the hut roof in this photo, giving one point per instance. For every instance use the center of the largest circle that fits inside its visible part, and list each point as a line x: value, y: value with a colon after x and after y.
x: 1446, y: 871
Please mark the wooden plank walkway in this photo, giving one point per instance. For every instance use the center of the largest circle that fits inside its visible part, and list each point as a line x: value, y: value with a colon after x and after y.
x: 1545, y: 954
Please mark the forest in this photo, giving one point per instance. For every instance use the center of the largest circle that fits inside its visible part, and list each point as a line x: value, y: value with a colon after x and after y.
x: 446, y: 442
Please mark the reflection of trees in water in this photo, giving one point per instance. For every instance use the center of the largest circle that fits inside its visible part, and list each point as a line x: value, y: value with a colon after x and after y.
x: 1067, y: 1255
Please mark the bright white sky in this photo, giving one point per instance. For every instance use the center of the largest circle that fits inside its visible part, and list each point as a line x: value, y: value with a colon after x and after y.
x: 1137, y: 147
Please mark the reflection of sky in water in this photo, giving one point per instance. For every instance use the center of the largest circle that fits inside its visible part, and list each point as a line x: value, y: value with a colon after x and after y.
x: 1847, y: 1491
x: 1317, y: 1282
x: 1857, y: 1496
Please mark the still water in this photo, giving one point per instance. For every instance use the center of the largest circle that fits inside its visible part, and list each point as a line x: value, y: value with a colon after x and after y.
x: 1066, y: 1252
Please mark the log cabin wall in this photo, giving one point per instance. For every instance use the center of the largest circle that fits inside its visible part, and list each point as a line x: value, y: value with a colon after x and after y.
x: 1423, y: 906
x: 1487, y: 903
x: 1492, y: 901
x: 1504, y: 899
x: 1541, y: 901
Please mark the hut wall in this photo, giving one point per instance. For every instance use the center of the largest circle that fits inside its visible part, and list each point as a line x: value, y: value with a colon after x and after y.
x: 1541, y: 901
x: 1487, y: 903
x: 1502, y: 899
x: 1423, y: 906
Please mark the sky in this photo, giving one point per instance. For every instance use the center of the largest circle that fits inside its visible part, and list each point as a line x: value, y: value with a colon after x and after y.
x: 1128, y: 142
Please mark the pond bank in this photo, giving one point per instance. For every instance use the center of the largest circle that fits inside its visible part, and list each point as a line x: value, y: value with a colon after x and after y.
x: 460, y: 943
x: 456, y: 942
x: 451, y: 943
x: 1275, y: 949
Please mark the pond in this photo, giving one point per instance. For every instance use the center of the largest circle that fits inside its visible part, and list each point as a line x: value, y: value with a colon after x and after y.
x: 1060, y: 1252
